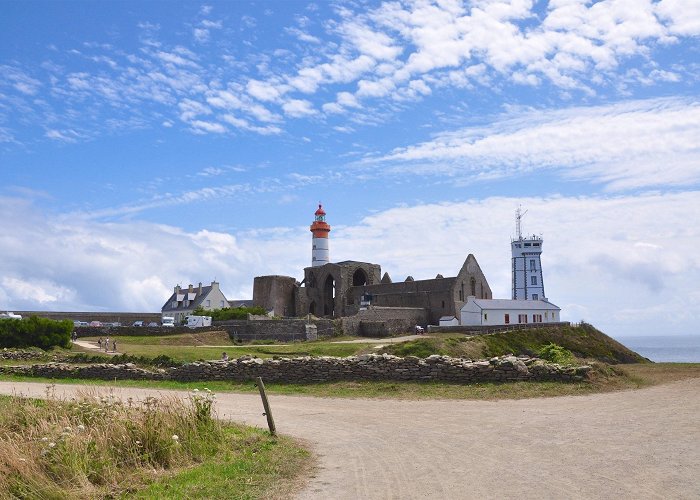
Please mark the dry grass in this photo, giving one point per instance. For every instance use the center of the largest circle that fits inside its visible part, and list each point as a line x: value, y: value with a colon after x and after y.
x: 100, y: 447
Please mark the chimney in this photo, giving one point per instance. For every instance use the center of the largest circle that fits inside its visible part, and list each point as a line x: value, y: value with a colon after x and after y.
x: 190, y: 289
x: 177, y: 289
x: 200, y: 288
x: 214, y: 285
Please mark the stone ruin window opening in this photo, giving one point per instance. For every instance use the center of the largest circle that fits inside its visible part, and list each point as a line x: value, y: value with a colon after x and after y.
x: 359, y: 278
x: 472, y: 285
x: 329, y: 296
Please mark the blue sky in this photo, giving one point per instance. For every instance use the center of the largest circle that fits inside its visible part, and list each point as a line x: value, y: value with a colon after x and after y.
x: 146, y: 144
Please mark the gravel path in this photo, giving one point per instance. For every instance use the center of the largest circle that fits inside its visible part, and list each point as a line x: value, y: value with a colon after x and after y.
x: 633, y: 444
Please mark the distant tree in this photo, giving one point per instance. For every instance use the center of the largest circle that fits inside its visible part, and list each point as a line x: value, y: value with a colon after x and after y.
x: 35, y: 332
x: 229, y: 313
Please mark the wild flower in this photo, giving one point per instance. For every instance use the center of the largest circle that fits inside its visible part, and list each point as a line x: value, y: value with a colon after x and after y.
x: 52, y: 444
x: 44, y: 439
x: 81, y: 427
x: 176, y: 438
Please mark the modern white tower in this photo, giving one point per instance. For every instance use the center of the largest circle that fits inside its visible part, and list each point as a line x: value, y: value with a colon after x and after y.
x: 320, y: 254
x: 527, y: 266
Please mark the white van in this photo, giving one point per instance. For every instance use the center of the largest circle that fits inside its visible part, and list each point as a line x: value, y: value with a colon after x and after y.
x: 168, y: 322
x: 198, y: 321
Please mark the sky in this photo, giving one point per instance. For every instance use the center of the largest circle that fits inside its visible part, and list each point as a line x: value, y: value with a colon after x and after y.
x: 149, y: 144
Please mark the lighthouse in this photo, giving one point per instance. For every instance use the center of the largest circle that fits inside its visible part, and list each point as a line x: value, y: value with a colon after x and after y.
x: 526, y: 262
x: 320, y: 254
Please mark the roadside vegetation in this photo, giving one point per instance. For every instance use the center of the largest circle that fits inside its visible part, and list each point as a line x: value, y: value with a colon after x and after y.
x: 100, y: 447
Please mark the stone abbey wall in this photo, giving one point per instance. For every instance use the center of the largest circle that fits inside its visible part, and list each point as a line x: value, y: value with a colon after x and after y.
x: 324, y: 369
x: 384, y: 321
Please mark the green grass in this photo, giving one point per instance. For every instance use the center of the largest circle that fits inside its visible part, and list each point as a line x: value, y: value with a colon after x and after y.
x: 585, y: 342
x: 182, y: 349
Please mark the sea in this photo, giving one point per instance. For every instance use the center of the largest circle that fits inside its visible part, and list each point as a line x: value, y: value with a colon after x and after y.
x: 666, y: 349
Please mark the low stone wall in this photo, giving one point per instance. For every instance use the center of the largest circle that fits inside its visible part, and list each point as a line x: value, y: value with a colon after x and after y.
x: 483, y: 330
x: 283, y: 330
x: 384, y: 321
x: 23, y: 355
x: 324, y: 369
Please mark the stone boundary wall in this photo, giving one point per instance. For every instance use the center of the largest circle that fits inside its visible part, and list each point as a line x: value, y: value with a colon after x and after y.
x: 284, y: 330
x: 483, y: 330
x: 384, y: 321
x: 324, y: 369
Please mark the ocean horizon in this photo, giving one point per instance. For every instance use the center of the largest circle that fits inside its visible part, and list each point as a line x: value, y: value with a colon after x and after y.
x: 665, y: 348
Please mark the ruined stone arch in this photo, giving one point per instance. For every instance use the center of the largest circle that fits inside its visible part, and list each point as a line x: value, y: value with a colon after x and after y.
x: 359, y: 277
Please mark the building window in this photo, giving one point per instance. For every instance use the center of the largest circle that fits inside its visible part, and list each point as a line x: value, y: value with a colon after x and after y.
x: 221, y: 304
x: 486, y: 316
x: 532, y: 265
x: 472, y: 283
x: 208, y: 303
x: 535, y: 296
x: 461, y: 293
x: 174, y: 304
x: 522, y: 318
x: 537, y: 318
x: 443, y: 304
x: 533, y: 280
x: 507, y: 319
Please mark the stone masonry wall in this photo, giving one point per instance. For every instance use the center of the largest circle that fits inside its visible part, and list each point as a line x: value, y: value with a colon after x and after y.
x: 384, y: 321
x: 284, y: 330
x: 324, y: 369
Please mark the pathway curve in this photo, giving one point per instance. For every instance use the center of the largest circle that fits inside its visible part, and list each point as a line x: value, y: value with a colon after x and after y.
x: 632, y: 444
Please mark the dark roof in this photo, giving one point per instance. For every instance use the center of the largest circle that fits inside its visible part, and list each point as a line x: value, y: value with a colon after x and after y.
x: 198, y: 299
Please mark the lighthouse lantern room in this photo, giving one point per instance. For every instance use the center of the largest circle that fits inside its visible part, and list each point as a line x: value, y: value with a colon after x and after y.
x: 320, y: 253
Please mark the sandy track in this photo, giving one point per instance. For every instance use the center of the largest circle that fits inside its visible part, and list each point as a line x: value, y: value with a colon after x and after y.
x: 633, y: 444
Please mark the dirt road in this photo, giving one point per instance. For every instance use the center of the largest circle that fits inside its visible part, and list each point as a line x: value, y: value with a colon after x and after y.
x: 635, y: 444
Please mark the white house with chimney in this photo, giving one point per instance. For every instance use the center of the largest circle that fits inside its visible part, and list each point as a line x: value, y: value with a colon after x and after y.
x: 185, y: 300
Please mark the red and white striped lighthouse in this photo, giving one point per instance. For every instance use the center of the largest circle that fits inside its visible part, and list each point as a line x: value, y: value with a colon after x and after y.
x: 320, y: 254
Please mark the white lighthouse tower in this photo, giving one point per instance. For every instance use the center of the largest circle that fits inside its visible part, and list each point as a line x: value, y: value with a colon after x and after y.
x: 527, y: 266
x: 320, y: 253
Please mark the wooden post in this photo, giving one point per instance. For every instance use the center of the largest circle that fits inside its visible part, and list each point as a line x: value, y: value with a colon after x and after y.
x: 266, y: 405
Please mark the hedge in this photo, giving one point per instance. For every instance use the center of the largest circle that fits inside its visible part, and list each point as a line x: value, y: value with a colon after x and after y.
x: 35, y: 332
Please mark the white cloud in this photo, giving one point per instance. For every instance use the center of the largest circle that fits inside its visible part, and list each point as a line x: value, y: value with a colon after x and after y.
x: 297, y: 108
x: 626, y: 145
x: 628, y: 264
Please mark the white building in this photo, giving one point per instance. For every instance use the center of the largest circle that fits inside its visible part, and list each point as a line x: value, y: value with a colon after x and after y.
x: 498, y: 312
x: 526, y: 264
x: 185, y: 300
x: 449, y: 321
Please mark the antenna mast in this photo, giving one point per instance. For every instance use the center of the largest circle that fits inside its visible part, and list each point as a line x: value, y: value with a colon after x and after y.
x: 519, y: 214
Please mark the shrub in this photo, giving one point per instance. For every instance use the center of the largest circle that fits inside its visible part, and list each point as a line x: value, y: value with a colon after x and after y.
x: 230, y: 313
x: 556, y: 354
x: 35, y: 332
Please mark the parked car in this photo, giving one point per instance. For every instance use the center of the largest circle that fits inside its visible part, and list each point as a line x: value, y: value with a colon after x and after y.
x: 137, y: 323
x: 153, y: 324
x: 168, y: 322
x: 95, y: 323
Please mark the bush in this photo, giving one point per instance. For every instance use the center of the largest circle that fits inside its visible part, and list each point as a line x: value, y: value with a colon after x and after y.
x: 35, y: 332
x: 230, y: 313
x: 556, y: 354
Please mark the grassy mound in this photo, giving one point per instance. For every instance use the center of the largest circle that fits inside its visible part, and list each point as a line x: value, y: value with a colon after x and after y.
x: 583, y: 341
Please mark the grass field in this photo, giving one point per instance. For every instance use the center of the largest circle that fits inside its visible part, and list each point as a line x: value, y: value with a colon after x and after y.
x: 193, y: 347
